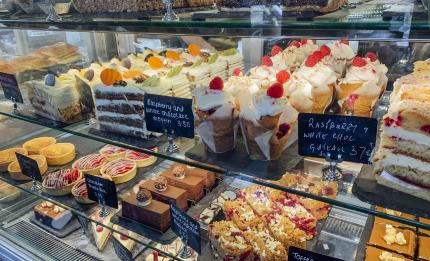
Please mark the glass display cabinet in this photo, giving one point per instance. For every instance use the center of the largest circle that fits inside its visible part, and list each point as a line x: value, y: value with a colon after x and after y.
x: 273, y: 130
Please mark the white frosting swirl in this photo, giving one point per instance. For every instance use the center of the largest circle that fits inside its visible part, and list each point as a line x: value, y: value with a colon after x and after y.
x: 367, y: 73
x: 299, y: 93
x: 207, y: 98
x: 341, y: 51
x: 319, y: 76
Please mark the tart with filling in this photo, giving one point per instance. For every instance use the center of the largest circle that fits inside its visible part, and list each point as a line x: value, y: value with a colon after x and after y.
x: 120, y: 170
x: 80, y: 192
x: 59, y: 153
x: 61, y: 182
x: 90, y: 164
x: 142, y: 159
x: 34, y: 146
x: 112, y: 152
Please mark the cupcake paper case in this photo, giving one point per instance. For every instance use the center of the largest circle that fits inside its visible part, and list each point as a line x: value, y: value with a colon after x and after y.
x: 216, y: 117
x: 268, y: 123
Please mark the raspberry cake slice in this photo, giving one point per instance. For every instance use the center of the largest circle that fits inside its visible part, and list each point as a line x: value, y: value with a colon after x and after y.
x: 258, y: 199
x: 241, y: 214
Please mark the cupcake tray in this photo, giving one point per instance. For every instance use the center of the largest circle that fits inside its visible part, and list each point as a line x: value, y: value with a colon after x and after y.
x: 367, y: 189
x: 238, y: 160
x: 68, y: 229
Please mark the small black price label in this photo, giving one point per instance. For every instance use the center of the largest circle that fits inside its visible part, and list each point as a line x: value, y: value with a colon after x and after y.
x: 298, y: 254
x: 10, y: 87
x: 29, y: 167
x: 186, y: 228
x: 169, y: 113
x: 121, y: 251
x: 351, y: 137
x: 101, y: 190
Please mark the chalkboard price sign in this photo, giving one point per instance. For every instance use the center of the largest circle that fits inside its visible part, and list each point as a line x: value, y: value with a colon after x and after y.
x: 351, y: 137
x: 29, y: 167
x: 298, y: 254
x: 186, y: 228
x: 101, y: 190
x: 10, y: 87
x: 165, y: 113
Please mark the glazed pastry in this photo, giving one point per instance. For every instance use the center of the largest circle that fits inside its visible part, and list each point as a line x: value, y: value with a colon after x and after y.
x: 90, y: 164
x: 8, y: 156
x: 60, y: 182
x: 112, y: 152
x: 358, y: 92
x: 142, y: 159
x: 59, y: 153
x: 120, y: 170
x: 267, y: 123
x: 160, y: 184
x: 15, y: 170
x: 143, y: 197
x: 80, y: 192
x: 34, y: 146
x: 179, y: 172
x: 216, y: 117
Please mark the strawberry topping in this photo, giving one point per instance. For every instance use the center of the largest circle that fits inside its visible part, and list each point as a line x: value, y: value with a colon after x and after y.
x: 304, y: 41
x: 359, y: 62
x: 371, y: 56
x: 216, y: 84
x: 426, y: 129
x: 275, y: 50
x: 99, y: 228
x: 311, y: 61
x: 266, y: 61
x: 237, y: 72
x: 282, y: 76
x: 388, y: 121
x: 295, y: 43
x: 319, y: 55
x: 275, y: 91
x: 345, y: 42
x: 325, y: 50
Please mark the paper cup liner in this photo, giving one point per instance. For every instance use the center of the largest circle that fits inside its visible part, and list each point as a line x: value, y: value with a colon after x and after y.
x: 218, y: 134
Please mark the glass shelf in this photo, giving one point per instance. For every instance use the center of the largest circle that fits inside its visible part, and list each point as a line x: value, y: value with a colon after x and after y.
x: 365, y: 20
x: 79, y: 135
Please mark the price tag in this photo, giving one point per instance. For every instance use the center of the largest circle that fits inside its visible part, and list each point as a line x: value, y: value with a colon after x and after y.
x: 29, y: 167
x: 10, y: 87
x: 121, y: 251
x: 352, y: 137
x: 298, y: 254
x: 186, y: 228
x: 169, y: 113
x: 101, y: 190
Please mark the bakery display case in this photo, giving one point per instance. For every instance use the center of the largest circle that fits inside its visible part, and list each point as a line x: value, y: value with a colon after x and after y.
x: 214, y: 130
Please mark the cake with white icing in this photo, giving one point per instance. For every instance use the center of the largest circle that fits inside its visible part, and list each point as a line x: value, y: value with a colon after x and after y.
x: 403, y: 158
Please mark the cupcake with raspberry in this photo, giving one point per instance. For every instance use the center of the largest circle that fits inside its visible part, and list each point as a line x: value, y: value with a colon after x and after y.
x: 358, y: 92
x: 297, y: 52
x: 216, y: 115
x: 265, y: 73
x: 299, y: 93
x: 267, y: 123
x: 321, y: 77
x: 380, y: 68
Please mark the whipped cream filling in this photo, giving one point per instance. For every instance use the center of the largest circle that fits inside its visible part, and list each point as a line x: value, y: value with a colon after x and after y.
x: 399, y: 132
x: 320, y: 75
x: 367, y: 73
x: 387, y: 176
x: 401, y: 160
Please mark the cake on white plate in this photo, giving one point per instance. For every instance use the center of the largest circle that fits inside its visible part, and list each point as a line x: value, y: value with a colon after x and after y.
x: 402, y: 161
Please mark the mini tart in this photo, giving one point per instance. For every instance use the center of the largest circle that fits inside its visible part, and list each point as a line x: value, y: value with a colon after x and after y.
x: 8, y: 156
x: 120, y: 170
x: 15, y: 170
x: 61, y: 182
x: 125, y: 241
x: 80, y: 192
x: 59, y: 153
x: 35, y: 145
x: 112, y: 152
x: 142, y: 159
x: 90, y: 164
